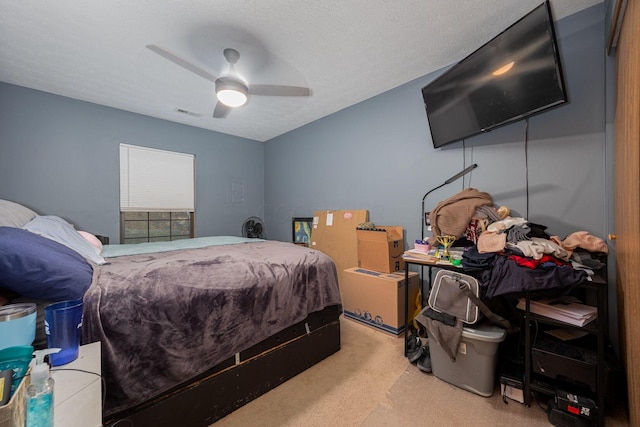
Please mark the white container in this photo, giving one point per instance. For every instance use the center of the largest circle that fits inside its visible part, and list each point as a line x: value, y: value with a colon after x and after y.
x: 17, y: 324
x: 475, y: 366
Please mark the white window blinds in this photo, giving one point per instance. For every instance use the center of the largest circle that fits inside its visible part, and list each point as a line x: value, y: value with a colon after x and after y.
x: 156, y: 180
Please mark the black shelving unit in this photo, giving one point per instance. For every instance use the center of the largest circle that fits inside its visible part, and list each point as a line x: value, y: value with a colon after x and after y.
x: 598, y: 327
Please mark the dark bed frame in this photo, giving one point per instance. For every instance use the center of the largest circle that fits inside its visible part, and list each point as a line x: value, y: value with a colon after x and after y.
x: 239, y: 380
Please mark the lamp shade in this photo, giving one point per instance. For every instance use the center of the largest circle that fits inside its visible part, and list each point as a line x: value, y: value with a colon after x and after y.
x: 231, y: 92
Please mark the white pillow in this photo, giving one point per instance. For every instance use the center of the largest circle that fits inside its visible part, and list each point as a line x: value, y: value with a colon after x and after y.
x: 14, y: 215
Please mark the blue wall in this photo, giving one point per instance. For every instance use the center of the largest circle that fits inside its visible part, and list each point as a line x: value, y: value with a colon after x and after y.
x: 378, y: 154
x: 60, y: 156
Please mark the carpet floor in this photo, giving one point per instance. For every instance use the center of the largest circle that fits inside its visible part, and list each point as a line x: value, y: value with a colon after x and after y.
x: 370, y: 383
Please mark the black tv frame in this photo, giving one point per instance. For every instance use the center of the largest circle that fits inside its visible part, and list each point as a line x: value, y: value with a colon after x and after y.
x: 480, y: 52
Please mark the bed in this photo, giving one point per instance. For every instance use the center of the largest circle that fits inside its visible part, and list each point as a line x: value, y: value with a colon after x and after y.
x: 191, y: 330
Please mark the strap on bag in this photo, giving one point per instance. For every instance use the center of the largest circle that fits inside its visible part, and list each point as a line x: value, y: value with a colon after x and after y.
x: 493, y: 317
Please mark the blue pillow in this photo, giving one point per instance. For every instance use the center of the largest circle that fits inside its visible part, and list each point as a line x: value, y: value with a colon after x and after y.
x: 36, y: 267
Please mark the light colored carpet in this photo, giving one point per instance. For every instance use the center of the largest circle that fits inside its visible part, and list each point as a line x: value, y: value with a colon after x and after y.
x: 369, y: 382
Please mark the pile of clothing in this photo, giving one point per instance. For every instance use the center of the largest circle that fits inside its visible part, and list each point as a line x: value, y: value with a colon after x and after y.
x: 507, y: 255
x: 514, y: 254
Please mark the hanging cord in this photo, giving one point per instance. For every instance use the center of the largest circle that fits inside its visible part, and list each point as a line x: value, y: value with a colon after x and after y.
x: 464, y: 159
x: 526, y: 164
x: 464, y: 164
x: 471, y: 173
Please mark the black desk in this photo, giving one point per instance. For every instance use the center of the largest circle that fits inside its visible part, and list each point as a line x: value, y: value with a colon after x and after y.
x: 598, y: 327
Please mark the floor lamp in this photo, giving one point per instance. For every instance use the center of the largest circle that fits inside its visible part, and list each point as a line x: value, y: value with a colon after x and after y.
x: 423, y: 219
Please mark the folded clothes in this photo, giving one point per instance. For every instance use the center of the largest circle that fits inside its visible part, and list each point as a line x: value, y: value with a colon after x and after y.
x: 537, y: 247
x: 584, y: 240
x: 506, y: 223
x: 474, y: 260
x: 585, y: 259
x: 518, y: 233
x: 488, y: 211
x: 491, y: 241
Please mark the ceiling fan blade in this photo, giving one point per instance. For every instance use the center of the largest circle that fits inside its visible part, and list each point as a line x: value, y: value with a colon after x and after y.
x: 181, y: 62
x: 221, y: 111
x: 279, y: 90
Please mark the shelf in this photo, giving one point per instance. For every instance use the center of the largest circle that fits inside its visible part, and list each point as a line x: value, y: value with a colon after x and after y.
x: 543, y: 387
x: 591, y: 327
x: 597, y: 328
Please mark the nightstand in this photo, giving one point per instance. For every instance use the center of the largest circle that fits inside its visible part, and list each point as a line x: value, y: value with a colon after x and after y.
x: 78, y: 395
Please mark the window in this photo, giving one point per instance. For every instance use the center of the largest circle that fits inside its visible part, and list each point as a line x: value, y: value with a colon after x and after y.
x: 156, y: 226
x: 157, y: 194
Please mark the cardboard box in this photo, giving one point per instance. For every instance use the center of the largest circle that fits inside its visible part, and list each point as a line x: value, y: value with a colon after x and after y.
x: 334, y: 233
x: 377, y: 299
x: 512, y: 388
x: 381, y: 249
x: 13, y: 414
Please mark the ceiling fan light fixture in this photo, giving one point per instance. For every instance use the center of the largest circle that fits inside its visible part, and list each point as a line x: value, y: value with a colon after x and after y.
x: 231, y: 93
x: 232, y: 97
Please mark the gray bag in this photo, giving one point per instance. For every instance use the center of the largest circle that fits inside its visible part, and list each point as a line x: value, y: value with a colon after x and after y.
x: 458, y: 295
x: 448, y: 296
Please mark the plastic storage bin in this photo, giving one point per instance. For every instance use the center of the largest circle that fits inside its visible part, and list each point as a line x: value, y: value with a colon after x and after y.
x: 475, y: 366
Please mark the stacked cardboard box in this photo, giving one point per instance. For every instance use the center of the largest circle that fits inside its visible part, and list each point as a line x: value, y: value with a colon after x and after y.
x: 374, y: 292
x: 370, y: 268
x: 377, y: 299
x: 334, y: 233
x: 380, y: 249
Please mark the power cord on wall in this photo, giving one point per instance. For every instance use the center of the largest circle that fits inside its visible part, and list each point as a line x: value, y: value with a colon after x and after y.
x: 471, y: 173
x: 526, y: 164
x: 464, y: 159
x: 464, y: 164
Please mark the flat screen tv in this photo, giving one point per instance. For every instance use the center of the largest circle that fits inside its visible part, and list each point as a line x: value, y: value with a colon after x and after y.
x: 513, y: 76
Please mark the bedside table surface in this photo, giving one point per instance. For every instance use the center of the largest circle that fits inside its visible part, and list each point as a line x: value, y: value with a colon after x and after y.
x: 78, y: 395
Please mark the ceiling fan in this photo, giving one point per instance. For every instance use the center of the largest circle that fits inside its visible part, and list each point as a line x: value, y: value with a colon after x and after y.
x: 230, y: 89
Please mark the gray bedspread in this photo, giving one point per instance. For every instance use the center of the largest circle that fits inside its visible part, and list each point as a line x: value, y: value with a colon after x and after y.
x: 164, y: 318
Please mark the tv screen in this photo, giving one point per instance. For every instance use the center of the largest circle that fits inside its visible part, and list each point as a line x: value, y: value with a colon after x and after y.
x: 513, y: 76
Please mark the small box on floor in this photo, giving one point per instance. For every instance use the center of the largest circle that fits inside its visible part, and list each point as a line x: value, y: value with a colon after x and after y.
x: 512, y: 388
x: 377, y: 299
x: 511, y: 373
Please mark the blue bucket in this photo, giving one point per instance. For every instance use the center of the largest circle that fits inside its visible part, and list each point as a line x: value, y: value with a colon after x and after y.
x: 62, y: 325
x: 17, y: 325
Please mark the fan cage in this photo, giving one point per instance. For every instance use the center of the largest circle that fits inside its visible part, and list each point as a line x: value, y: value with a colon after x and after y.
x: 253, y: 228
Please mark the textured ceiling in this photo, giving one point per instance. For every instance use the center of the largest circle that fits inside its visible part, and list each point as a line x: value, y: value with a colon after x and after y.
x: 345, y: 51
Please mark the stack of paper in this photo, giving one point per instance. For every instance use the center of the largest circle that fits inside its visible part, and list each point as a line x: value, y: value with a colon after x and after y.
x: 423, y: 256
x: 567, y: 311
